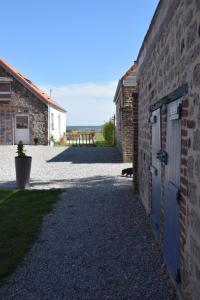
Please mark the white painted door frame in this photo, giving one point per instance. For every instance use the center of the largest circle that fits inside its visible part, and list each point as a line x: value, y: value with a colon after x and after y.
x: 22, y: 134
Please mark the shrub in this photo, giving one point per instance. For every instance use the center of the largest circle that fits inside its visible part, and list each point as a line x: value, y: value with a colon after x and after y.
x: 20, y: 150
x: 63, y: 140
x: 108, y: 132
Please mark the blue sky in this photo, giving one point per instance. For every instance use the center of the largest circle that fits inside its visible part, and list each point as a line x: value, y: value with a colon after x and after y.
x: 78, y: 48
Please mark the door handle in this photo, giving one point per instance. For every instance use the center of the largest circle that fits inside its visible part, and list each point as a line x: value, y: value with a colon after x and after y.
x: 162, y: 156
x: 153, y: 170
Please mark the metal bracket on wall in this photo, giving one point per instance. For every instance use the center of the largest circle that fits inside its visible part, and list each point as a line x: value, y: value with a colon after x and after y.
x: 176, y: 94
x: 178, y: 276
x: 162, y: 156
x: 153, y: 170
x: 153, y: 119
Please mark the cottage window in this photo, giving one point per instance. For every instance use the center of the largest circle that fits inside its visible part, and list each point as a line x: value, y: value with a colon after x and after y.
x: 52, y: 121
x: 21, y: 122
x: 5, y: 91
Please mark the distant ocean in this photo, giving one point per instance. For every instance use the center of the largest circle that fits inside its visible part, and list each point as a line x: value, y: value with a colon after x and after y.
x: 84, y: 128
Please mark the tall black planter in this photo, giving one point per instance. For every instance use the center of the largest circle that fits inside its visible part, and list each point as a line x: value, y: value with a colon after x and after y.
x: 23, y: 171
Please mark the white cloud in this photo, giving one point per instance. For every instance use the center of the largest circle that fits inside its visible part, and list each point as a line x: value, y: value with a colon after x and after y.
x: 86, y: 103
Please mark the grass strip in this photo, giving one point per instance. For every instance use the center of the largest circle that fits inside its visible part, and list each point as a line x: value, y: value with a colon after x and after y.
x: 21, y: 215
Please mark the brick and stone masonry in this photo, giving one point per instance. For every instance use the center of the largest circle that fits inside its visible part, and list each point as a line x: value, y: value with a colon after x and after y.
x: 26, y: 112
x: 22, y: 98
x: 124, y: 114
x: 169, y: 58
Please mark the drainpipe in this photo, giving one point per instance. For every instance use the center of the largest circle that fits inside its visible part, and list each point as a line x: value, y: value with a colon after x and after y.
x: 48, y: 124
x: 13, y: 130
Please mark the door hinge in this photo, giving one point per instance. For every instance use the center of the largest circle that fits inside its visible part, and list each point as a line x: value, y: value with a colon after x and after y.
x: 153, y: 170
x: 178, y: 276
x: 153, y: 119
x: 178, y: 197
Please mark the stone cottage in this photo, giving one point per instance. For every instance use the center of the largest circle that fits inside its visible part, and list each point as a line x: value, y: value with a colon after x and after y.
x: 168, y: 75
x: 123, y: 100
x: 26, y: 112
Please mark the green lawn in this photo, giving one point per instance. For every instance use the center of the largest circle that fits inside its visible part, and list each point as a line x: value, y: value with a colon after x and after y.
x: 21, y: 214
x: 100, y: 141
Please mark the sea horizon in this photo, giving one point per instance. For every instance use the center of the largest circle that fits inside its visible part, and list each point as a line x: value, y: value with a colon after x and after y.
x: 85, y: 127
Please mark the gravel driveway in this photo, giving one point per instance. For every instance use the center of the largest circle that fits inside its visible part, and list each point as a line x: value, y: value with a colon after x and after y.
x: 53, y: 167
x: 96, y: 244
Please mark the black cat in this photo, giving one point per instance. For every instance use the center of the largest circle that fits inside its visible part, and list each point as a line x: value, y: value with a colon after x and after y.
x: 127, y: 172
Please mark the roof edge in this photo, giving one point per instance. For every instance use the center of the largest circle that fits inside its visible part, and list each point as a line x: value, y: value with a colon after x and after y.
x: 149, y: 29
x: 163, y: 12
x: 124, y: 77
x: 30, y: 86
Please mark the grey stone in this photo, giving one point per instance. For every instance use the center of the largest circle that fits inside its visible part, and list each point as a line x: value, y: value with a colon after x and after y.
x: 196, y: 141
x: 197, y: 167
x: 198, y: 115
x: 196, y: 75
x: 192, y: 35
x: 194, y: 54
x: 197, y: 273
x: 191, y: 167
x: 195, y: 248
x: 196, y: 99
x: 189, y: 17
x: 195, y: 222
x: 197, y: 4
x: 192, y: 193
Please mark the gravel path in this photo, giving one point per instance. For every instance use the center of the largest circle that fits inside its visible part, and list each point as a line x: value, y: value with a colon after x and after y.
x: 95, y: 245
x: 53, y: 167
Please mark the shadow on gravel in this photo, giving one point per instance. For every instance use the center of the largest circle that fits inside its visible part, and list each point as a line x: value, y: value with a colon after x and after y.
x: 89, y: 182
x: 88, y: 155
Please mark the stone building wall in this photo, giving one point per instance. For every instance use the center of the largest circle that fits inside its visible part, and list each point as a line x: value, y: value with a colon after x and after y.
x: 124, y: 122
x: 22, y: 98
x: 119, y: 122
x: 169, y: 58
x: 135, y: 140
x: 127, y: 124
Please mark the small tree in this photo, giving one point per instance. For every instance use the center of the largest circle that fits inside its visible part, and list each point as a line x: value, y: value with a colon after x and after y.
x: 20, y: 150
x: 108, y: 132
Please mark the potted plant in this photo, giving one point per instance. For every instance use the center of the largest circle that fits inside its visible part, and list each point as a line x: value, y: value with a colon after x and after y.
x: 36, y: 141
x: 23, y: 167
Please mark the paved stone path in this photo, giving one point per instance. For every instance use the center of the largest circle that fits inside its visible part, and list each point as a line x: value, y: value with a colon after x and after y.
x: 96, y: 244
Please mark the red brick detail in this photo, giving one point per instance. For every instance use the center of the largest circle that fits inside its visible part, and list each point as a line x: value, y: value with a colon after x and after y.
x: 184, y: 181
x: 184, y: 113
x: 191, y: 124
x: 185, y: 103
x: 184, y: 151
x: 184, y: 162
x: 184, y: 133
